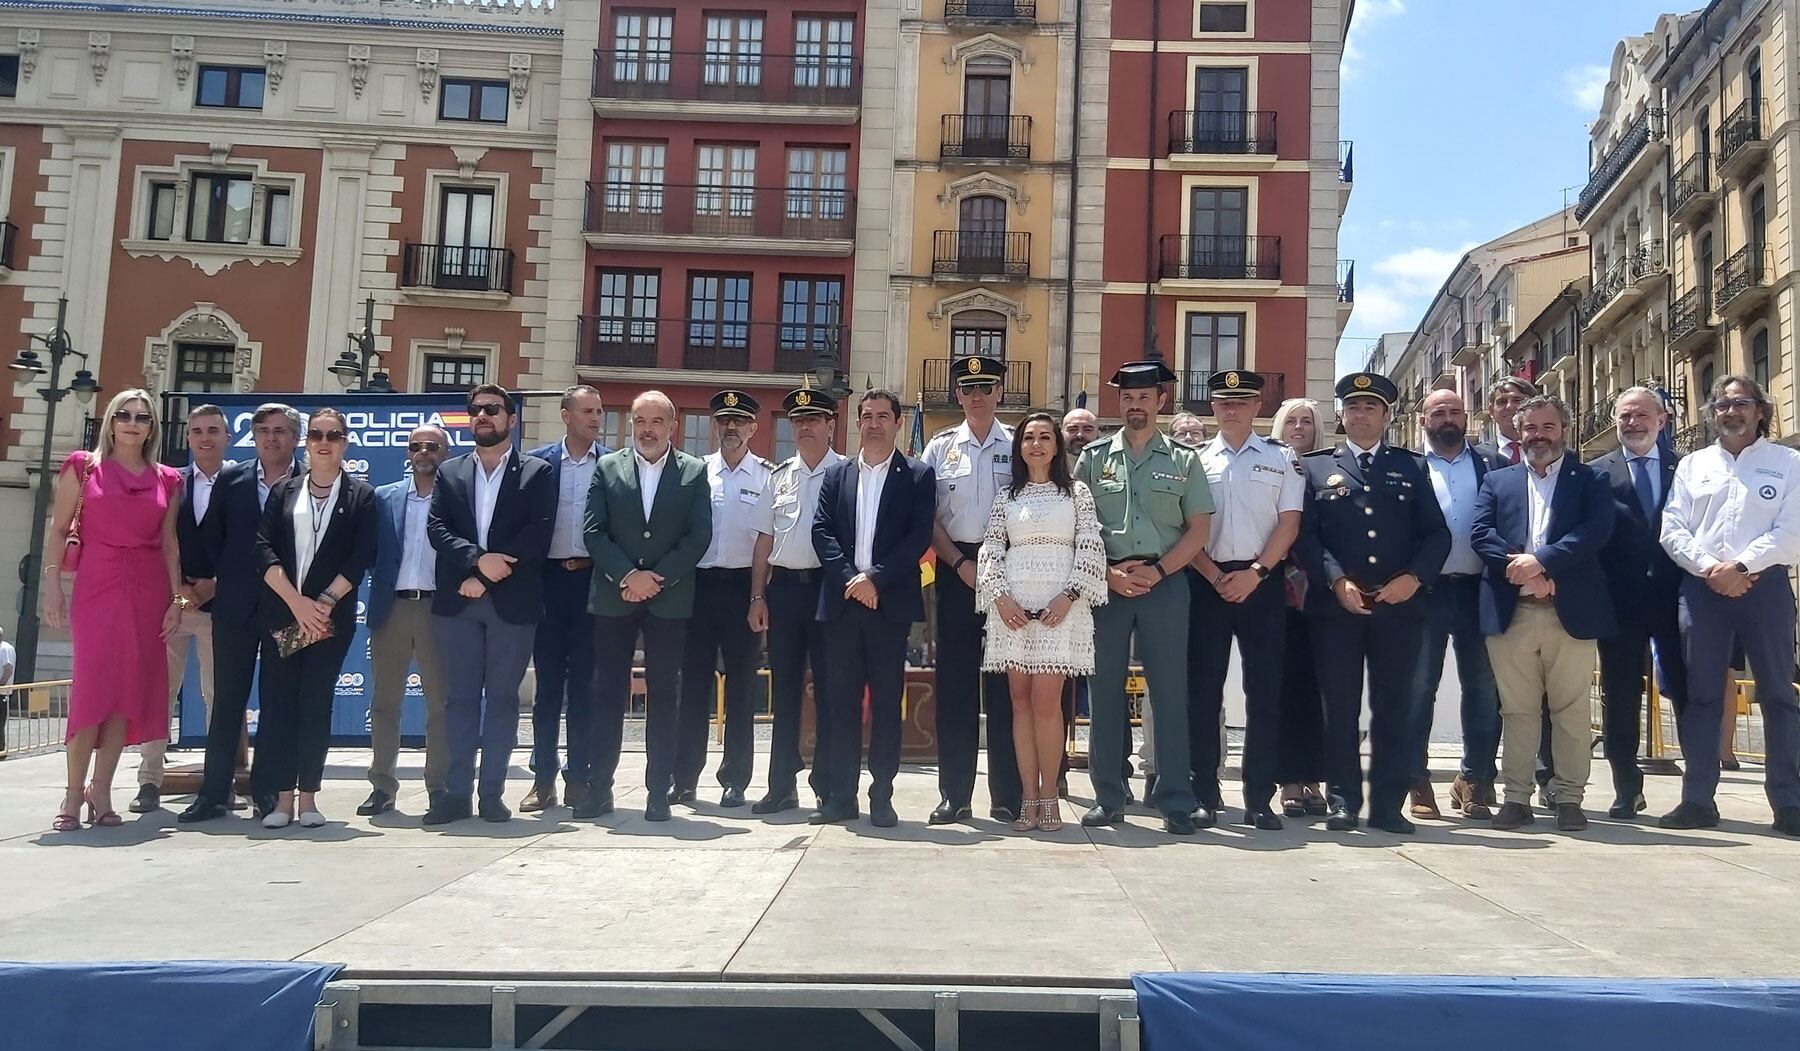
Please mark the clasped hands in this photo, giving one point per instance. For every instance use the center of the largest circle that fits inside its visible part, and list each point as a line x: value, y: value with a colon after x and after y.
x: 1527, y: 573
x: 641, y: 585
x: 1131, y: 578
x: 492, y: 567
x: 1726, y: 579
x: 1394, y: 592
x: 1014, y: 616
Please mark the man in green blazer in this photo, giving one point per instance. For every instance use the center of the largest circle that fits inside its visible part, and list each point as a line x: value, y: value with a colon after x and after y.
x: 649, y: 521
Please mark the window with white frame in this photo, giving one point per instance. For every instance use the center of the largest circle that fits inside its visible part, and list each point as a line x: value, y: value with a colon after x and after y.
x: 641, y: 46
x: 199, y: 203
x: 824, y: 52
x: 734, y: 51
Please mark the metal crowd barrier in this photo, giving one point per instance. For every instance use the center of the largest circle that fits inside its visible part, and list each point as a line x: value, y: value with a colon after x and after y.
x: 37, y: 717
x: 1661, y: 741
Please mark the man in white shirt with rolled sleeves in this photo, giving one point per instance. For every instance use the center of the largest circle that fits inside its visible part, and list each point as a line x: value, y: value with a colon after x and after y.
x: 1732, y: 521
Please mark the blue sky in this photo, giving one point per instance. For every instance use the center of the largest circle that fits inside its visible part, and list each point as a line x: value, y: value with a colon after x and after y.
x: 1470, y: 118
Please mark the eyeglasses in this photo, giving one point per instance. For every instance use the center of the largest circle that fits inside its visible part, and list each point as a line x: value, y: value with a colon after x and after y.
x: 1722, y: 405
x: 142, y: 419
x: 326, y: 436
x: 422, y: 447
x: 487, y: 408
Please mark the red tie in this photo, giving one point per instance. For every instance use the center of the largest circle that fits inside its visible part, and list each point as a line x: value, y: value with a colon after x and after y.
x: 1513, y: 453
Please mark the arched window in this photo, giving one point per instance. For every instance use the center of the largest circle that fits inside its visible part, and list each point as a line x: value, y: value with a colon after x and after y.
x: 981, y: 234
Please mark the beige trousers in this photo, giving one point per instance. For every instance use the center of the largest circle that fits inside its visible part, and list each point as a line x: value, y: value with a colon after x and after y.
x: 402, y: 639
x: 1536, y: 659
x: 194, y: 627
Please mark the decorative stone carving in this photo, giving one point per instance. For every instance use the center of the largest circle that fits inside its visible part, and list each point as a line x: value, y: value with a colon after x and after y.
x: 205, y: 323
x: 453, y: 339
x: 275, y: 62
x: 219, y: 151
x: 359, y: 68
x: 468, y: 158
x: 427, y: 58
x: 99, y: 53
x: 518, y: 68
x: 28, y: 52
x: 984, y: 183
x: 181, y: 49
x: 988, y: 45
x: 979, y: 299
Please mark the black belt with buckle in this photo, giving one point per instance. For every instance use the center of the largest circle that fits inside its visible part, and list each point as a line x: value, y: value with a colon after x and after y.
x: 725, y: 571
x: 573, y: 565
x: 806, y: 576
x: 412, y: 593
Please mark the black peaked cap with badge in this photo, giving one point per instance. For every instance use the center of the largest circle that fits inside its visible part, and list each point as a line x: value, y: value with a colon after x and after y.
x: 976, y: 369
x: 808, y: 402
x: 734, y: 403
x: 1368, y: 385
x: 1150, y: 373
x: 1234, y: 383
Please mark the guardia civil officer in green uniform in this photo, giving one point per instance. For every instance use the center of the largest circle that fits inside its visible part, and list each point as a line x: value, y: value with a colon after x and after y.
x: 1154, y: 509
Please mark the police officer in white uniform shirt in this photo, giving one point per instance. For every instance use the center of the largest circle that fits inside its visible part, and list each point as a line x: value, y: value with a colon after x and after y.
x: 720, y: 628
x: 973, y: 461
x: 1257, y: 492
x: 784, y: 597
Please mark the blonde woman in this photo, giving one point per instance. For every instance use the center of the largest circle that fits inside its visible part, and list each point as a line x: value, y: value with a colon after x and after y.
x: 126, y: 601
x: 1301, y: 765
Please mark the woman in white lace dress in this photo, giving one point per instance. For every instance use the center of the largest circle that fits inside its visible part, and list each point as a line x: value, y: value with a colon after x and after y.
x: 1041, y: 569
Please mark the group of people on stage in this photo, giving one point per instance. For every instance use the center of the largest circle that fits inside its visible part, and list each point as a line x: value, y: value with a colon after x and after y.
x: 1060, y: 556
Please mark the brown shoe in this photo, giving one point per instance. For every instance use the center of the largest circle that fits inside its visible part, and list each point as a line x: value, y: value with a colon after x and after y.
x: 537, y: 799
x: 1569, y: 817
x: 1424, y: 802
x: 1513, y: 815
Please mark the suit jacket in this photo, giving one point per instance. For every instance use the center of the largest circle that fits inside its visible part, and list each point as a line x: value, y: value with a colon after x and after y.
x: 1581, y: 522
x: 902, y: 536
x: 232, y: 521
x: 390, y: 548
x: 671, y: 543
x: 190, y: 536
x: 1370, y: 529
x: 1644, y: 582
x: 524, y: 514
x: 347, y: 549
x: 1490, y: 451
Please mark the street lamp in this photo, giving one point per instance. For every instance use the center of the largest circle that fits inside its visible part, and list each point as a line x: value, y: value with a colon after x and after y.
x: 84, y: 387
x: 353, y: 365
x: 827, y: 371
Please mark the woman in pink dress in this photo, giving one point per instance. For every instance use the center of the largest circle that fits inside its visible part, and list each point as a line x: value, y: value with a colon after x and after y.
x: 126, y: 599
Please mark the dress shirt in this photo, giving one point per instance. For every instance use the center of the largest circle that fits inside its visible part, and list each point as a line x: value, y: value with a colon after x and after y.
x: 1357, y: 452
x: 1251, y: 487
x: 311, y: 520
x: 786, y: 509
x: 1540, y: 493
x: 487, y: 495
x: 263, y: 487
x: 203, y: 489
x: 735, y: 492
x: 869, y: 481
x: 1652, y: 467
x: 1453, y: 481
x: 574, y: 475
x: 970, y: 474
x: 418, y: 562
x: 1510, y: 450
x: 649, y: 477
x: 1725, y: 508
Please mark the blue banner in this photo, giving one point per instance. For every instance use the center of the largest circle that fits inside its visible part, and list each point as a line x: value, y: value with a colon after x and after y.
x: 379, y: 425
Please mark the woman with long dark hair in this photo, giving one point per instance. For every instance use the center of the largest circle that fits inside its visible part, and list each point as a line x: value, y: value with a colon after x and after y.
x: 1301, y: 768
x: 1041, y: 569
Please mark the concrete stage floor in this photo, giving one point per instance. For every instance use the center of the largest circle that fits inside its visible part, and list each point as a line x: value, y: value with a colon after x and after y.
x: 722, y: 895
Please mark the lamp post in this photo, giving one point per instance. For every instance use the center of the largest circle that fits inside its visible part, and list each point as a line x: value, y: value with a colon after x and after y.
x: 827, y: 372
x: 354, y: 364
x: 84, y: 387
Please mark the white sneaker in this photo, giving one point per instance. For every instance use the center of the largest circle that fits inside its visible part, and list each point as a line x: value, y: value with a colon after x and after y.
x: 312, y: 819
x: 277, y: 819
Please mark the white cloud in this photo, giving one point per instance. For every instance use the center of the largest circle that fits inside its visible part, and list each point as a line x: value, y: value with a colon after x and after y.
x: 1368, y: 12
x: 1393, y: 291
x: 1586, y: 86
x: 1418, y: 271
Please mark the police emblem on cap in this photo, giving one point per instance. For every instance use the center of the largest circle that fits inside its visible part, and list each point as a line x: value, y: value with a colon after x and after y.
x: 731, y: 399
x: 974, y: 366
x: 803, y: 397
x: 1231, y: 379
x: 1360, y: 383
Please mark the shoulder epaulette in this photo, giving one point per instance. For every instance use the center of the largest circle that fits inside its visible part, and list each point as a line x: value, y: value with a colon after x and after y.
x: 1272, y: 440
x: 1321, y: 452
x: 946, y: 430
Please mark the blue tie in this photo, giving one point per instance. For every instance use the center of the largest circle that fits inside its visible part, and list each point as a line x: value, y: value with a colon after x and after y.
x: 1640, y: 479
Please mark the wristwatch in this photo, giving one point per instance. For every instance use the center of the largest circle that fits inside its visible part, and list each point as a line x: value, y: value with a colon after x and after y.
x: 1262, y: 571
x: 1741, y: 568
x: 1071, y: 592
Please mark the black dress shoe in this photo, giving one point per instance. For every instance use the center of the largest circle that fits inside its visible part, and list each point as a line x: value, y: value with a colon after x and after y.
x: 261, y: 805
x: 448, y: 808
x: 1787, y: 820
x: 149, y: 798
x: 1690, y: 815
x: 1001, y: 813
x: 1265, y: 820
x: 1626, y: 809
x: 1101, y: 816
x: 657, y: 809
x: 774, y: 804
x: 1177, y: 823
x: 1204, y: 816
x: 1395, y: 823
x: 1569, y: 817
x: 682, y: 795
x: 573, y: 793
x: 495, y: 811
x: 1512, y: 816
x: 947, y: 813
x: 593, y: 804
x: 832, y: 812
x: 733, y: 796
x: 1339, y: 818
x: 379, y: 802
x: 201, y: 809
x: 881, y: 814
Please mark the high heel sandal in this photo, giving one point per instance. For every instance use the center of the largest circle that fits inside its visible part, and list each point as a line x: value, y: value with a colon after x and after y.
x: 1295, y: 805
x: 1314, y: 803
x: 110, y: 819
x: 1050, y: 815
x: 1028, y: 816
x: 65, y: 821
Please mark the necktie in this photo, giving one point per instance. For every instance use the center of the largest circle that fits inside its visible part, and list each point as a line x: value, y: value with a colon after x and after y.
x: 1513, y: 453
x: 1365, y: 461
x: 1640, y: 480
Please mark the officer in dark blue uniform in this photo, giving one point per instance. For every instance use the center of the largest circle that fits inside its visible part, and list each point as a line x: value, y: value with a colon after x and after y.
x: 1371, y: 536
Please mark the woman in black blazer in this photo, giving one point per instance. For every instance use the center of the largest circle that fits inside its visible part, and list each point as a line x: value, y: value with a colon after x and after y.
x: 316, y: 541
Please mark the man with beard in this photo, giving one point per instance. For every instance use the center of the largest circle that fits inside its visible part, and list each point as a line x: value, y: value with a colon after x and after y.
x: 1645, y: 586
x: 492, y: 512
x: 1453, y: 618
x: 719, y: 630
x: 1154, y: 508
x: 649, y: 519
x: 1371, y: 537
x: 1079, y: 428
x: 1732, y: 521
x: 401, y: 586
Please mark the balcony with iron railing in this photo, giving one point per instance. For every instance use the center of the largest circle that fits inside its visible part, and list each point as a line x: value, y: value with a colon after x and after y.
x: 707, y: 344
x: 1741, y: 282
x: 1624, y: 284
x: 1690, y: 321
x: 727, y: 84
x: 635, y: 215
x: 1234, y: 133
x: 456, y: 268
x: 9, y: 244
x: 1641, y: 144
x: 1742, y: 142
x: 1691, y: 190
x: 1346, y: 174
x: 1693, y: 437
x: 984, y: 137
x: 1220, y: 257
x: 1464, y: 345
x: 1196, y: 392
x: 1002, y: 12
x: 981, y: 254
x: 935, y: 386
x: 1596, y: 423
x: 1346, y: 282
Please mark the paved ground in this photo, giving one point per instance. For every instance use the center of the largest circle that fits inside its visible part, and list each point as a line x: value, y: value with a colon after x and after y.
x: 720, y: 894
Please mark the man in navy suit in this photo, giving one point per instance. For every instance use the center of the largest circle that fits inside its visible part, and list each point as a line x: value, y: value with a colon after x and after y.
x: 401, y: 586
x: 1539, y: 528
x: 564, y: 651
x: 1645, y: 586
x: 491, y: 516
x: 872, y: 528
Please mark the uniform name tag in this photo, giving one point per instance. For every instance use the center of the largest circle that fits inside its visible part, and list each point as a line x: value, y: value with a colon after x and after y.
x: 1163, y: 477
x: 1265, y: 467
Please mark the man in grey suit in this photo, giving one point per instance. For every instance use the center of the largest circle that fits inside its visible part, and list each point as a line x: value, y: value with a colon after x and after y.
x: 649, y: 519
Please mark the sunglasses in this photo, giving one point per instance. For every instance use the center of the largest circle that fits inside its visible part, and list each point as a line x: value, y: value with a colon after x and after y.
x: 486, y: 409
x: 142, y: 419
x: 326, y: 436
x: 422, y: 447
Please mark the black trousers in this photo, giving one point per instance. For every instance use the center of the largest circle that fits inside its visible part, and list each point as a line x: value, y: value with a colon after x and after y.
x: 615, y: 643
x: 1385, y: 644
x: 236, y: 643
x: 1624, y: 662
x: 718, y: 632
x: 867, y: 652
x: 962, y: 692
x: 1301, y: 759
x: 563, y: 653
x: 1259, y: 624
x: 294, y: 728
x: 796, y: 644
